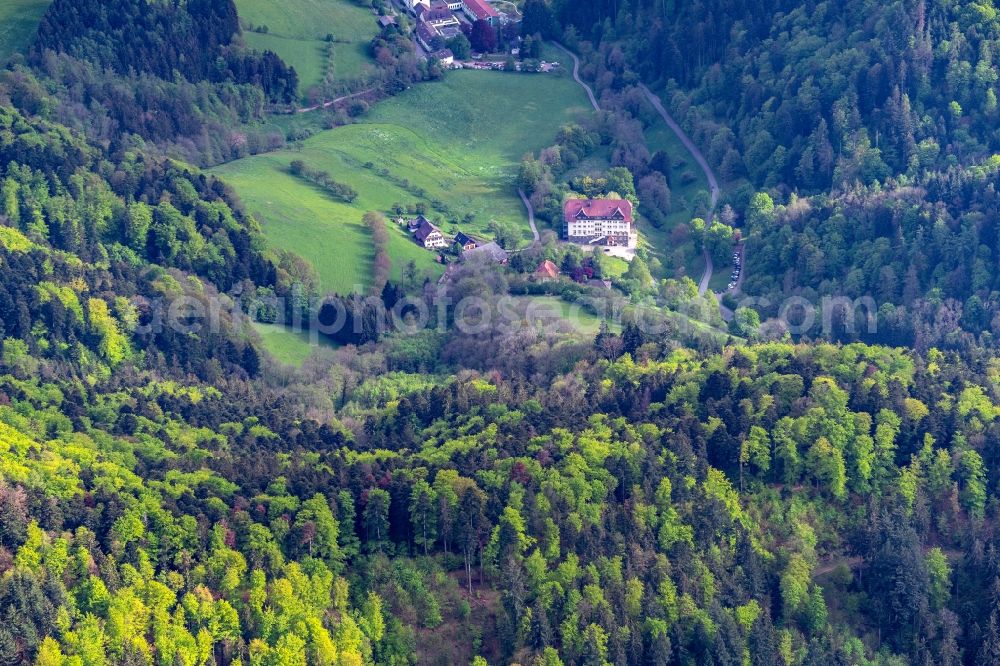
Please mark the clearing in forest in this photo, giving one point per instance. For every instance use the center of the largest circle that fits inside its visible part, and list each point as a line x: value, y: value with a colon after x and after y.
x: 453, y: 145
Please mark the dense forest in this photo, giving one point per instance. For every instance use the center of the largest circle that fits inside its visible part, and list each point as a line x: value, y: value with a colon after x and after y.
x: 194, y: 38
x: 858, y: 140
x: 814, y: 94
x: 173, y: 74
x: 605, y: 503
x: 664, y: 491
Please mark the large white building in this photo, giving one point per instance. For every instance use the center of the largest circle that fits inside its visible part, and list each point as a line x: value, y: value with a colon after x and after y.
x: 480, y: 10
x: 599, y: 221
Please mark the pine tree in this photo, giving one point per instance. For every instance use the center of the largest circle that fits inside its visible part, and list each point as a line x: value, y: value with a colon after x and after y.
x: 423, y: 514
x: 350, y: 545
x: 376, y: 519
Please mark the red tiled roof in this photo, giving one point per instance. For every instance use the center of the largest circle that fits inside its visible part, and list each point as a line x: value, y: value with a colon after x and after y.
x: 481, y: 9
x: 601, y: 209
x: 547, y: 269
x: 438, y: 11
x: 425, y: 33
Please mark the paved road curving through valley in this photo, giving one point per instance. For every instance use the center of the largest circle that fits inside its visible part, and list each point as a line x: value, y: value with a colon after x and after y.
x: 531, y: 215
x: 713, y: 182
x: 576, y: 76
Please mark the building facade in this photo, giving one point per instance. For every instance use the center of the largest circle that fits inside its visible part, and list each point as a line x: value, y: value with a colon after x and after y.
x: 599, y: 221
x: 466, y: 242
x: 430, y: 236
x: 480, y: 10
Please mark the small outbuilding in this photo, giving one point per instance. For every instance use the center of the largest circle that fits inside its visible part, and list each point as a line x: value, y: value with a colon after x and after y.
x: 445, y: 57
x: 466, y: 242
x: 547, y: 270
x: 491, y: 251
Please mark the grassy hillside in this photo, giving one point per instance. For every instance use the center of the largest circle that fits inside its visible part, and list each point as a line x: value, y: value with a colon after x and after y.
x: 458, y: 142
x: 305, y: 220
x: 307, y: 56
x: 487, y: 119
x: 297, y: 29
x: 302, y: 218
x: 551, y: 312
x: 287, y: 345
x: 310, y: 19
x: 18, y: 22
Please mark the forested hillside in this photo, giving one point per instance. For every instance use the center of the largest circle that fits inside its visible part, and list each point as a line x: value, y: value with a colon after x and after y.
x: 774, y: 502
x: 194, y: 38
x: 174, y: 74
x: 867, y: 132
x: 660, y: 492
x: 691, y: 506
x: 820, y: 94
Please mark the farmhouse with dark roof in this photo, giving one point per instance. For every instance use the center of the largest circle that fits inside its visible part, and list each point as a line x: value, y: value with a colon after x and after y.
x: 429, y: 236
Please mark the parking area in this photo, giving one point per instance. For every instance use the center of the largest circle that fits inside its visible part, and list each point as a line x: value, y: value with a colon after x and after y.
x: 736, y: 277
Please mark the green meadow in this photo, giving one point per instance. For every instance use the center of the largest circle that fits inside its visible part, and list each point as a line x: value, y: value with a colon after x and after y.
x: 18, y: 23
x: 307, y: 56
x: 286, y: 345
x: 487, y: 120
x: 326, y: 232
x: 549, y: 311
x: 454, y: 145
x: 310, y: 19
x: 297, y: 30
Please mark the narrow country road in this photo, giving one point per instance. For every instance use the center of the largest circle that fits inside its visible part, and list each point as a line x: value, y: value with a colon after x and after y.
x: 707, y: 275
x: 713, y: 183
x: 576, y: 76
x: 531, y: 215
x: 326, y: 105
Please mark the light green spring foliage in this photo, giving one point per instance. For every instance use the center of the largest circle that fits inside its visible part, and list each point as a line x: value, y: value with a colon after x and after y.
x: 281, y: 586
x: 114, y: 345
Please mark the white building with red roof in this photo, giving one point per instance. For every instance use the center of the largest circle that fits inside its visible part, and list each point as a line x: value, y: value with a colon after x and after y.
x: 480, y: 10
x: 599, y: 222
